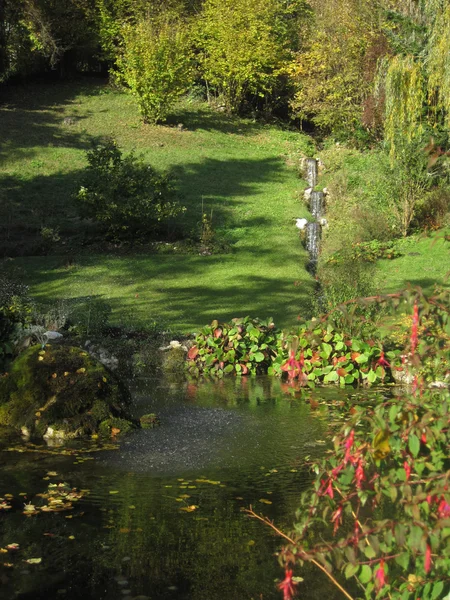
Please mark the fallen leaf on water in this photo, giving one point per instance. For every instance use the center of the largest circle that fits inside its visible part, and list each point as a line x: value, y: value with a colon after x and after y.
x: 131, y: 507
x: 52, y: 473
x: 113, y: 491
x: 184, y: 496
x: 66, y: 373
x: 54, y: 375
x: 71, y: 537
x: 33, y: 561
x: 114, y: 431
x: 189, y: 508
x: 40, y: 357
x: 265, y: 501
x: 124, y: 530
x: 9, y: 565
x: 3, y: 550
x: 12, y: 546
x: 82, y: 370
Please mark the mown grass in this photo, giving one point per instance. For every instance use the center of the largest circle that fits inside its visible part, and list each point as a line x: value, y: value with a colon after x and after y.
x: 425, y: 263
x: 243, y: 173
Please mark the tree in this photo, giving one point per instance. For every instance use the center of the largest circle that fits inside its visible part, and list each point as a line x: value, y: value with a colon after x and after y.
x: 332, y: 74
x: 156, y: 64
x: 244, y: 46
x: 416, y: 80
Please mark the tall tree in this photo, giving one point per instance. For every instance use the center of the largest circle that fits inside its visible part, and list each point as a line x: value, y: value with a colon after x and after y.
x: 333, y: 73
x: 244, y: 45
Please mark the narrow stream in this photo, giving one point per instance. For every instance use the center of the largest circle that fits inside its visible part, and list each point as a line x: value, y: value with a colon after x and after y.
x: 160, y: 516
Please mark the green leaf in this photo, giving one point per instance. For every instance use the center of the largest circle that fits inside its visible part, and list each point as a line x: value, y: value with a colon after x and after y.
x: 351, y: 570
x: 437, y: 590
x: 366, y: 574
x: 372, y: 376
x: 414, y: 444
x: 403, y: 560
x: 259, y: 357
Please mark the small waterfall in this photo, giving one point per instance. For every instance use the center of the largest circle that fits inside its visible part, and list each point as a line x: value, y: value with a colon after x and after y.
x: 311, y: 171
x: 316, y: 204
x: 317, y: 209
x: 313, y: 245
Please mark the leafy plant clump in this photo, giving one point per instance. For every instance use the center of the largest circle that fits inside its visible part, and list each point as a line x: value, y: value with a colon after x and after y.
x: 316, y: 353
x: 319, y: 353
x: 244, y: 347
x: 62, y: 388
x: 125, y: 195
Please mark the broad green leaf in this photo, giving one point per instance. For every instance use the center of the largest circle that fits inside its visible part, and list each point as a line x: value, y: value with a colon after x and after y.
x: 414, y: 444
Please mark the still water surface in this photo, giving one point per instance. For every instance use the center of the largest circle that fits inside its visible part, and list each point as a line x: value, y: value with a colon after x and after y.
x: 160, y: 516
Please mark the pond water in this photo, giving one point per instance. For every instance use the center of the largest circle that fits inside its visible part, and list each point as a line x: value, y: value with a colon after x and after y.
x: 160, y: 513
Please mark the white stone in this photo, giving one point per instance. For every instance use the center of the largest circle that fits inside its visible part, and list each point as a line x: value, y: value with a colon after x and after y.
x: 301, y: 223
x: 307, y: 193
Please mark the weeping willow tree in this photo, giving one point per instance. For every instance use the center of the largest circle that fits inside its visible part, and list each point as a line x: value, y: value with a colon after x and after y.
x: 405, y: 93
x: 438, y: 62
x: 417, y: 85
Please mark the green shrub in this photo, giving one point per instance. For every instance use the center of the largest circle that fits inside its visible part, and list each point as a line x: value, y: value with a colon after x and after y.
x: 156, y: 64
x: 127, y: 196
x: 15, y: 311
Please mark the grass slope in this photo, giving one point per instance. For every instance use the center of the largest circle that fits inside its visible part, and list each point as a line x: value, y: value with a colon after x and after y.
x: 425, y: 263
x: 244, y: 172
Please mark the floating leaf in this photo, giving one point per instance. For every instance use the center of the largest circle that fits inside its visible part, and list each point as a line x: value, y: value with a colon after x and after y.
x: 189, y: 508
x: 33, y: 561
x: 265, y: 501
x: 113, y: 491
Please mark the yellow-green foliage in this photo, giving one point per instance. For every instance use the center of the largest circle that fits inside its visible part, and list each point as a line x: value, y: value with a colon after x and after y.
x: 61, y: 386
x: 241, y: 51
x: 405, y: 97
x: 439, y: 63
x: 156, y: 64
x: 330, y: 73
x: 417, y: 81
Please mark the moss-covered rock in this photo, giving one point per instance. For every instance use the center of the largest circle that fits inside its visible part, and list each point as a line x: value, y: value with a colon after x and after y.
x: 149, y: 421
x: 61, y: 387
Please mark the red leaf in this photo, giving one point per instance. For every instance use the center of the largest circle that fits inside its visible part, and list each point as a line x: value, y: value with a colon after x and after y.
x: 341, y: 372
x: 218, y: 332
x: 193, y: 352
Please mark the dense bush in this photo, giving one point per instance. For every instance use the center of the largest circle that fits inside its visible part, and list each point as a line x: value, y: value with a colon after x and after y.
x: 156, y: 64
x: 124, y: 194
x: 382, y: 496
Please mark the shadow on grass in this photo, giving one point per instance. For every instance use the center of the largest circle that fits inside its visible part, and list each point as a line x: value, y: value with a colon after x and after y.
x: 200, y: 117
x: 32, y: 116
x: 428, y: 284
x: 185, y: 291
x: 213, y: 185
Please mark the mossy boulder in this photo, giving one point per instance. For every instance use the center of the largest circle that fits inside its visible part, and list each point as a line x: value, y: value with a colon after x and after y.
x: 62, y: 388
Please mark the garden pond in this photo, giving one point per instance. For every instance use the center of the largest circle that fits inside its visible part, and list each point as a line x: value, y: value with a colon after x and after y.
x: 159, y: 514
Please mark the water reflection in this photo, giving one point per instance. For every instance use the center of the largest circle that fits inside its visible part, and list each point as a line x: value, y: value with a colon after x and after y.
x: 161, y: 516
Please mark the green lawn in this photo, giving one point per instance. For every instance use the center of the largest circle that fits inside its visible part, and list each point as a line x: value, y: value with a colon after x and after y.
x: 244, y: 172
x: 425, y: 263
